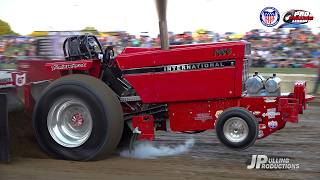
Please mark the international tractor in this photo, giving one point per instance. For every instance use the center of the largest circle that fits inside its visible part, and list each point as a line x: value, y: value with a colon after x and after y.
x: 100, y: 102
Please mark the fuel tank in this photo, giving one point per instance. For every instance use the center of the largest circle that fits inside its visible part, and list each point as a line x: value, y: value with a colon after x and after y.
x: 184, y: 73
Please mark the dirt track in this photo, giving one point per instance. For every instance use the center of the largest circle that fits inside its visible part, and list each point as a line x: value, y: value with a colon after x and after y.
x: 208, y: 159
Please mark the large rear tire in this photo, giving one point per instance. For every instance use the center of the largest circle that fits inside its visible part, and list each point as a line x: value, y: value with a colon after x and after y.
x: 78, y: 117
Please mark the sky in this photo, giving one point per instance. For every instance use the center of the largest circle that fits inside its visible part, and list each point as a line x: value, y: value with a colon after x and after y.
x: 137, y: 16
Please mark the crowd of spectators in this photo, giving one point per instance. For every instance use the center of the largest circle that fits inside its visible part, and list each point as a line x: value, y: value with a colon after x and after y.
x: 13, y: 48
x: 279, y: 48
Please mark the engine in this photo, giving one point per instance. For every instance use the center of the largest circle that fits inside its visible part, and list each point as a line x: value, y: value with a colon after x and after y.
x: 272, y: 84
x: 257, y: 85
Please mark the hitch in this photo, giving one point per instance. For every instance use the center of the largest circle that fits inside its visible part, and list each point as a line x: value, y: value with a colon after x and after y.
x: 135, y: 133
x: 143, y: 129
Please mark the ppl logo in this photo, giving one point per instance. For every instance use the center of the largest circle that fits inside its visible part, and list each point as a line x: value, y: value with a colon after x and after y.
x: 264, y: 162
x: 269, y: 16
x: 297, y: 17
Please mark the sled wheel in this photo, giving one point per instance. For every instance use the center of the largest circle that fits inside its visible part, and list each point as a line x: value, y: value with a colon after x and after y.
x: 237, y: 128
x: 78, y: 117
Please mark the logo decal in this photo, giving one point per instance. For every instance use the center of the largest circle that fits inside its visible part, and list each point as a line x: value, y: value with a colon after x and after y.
x: 262, y: 126
x: 20, y: 79
x: 273, y: 124
x: 67, y: 66
x: 218, y: 113
x: 297, y: 17
x: 5, y: 80
x: 269, y: 16
x: 264, y: 162
x: 256, y: 113
x: 222, y: 52
x: 203, y: 117
x: 182, y: 67
x: 261, y: 134
x: 196, y: 66
x: 272, y: 113
x: 270, y: 99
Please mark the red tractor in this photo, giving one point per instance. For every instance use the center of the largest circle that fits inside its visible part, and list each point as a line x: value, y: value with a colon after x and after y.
x: 100, y: 101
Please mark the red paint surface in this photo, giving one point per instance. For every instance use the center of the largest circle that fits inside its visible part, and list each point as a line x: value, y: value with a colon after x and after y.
x: 36, y: 70
x: 202, y: 84
x: 150, y: 57
x: 184, y: 116
x: 145, y: 124
x: 195, y: 98
x: 196, y: 116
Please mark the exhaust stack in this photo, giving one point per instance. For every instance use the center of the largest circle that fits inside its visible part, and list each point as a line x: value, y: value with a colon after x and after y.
x: 162, y: 13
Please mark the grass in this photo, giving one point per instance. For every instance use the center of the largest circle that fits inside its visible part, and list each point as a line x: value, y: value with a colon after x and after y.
x: 285, y: 70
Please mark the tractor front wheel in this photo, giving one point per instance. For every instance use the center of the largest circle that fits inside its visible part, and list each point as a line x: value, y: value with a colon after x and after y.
x: 237, y: 128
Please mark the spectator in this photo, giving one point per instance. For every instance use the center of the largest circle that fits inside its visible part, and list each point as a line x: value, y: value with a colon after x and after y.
x: 279, y: 48
x: 317, y: 83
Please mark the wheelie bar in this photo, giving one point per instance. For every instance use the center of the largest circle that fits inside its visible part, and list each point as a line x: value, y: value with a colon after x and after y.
x: 4, y: 130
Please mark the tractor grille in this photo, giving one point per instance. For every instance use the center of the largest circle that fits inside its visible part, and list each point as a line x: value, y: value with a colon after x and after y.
x: 245, y: 72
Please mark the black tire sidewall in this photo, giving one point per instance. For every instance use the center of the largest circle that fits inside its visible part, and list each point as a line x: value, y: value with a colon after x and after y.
x: 248, y: 118
x: 101, y: 129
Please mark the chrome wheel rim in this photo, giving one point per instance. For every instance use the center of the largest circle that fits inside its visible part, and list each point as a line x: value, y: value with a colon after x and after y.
x: 69, y: 122
x: 236, y: 129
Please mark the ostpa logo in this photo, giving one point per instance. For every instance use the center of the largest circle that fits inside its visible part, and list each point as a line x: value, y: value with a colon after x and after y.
x: 298, y: 17
x: 269, y: 16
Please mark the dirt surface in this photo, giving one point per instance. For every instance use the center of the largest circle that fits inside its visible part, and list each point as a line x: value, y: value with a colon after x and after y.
x: 207, y: 159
